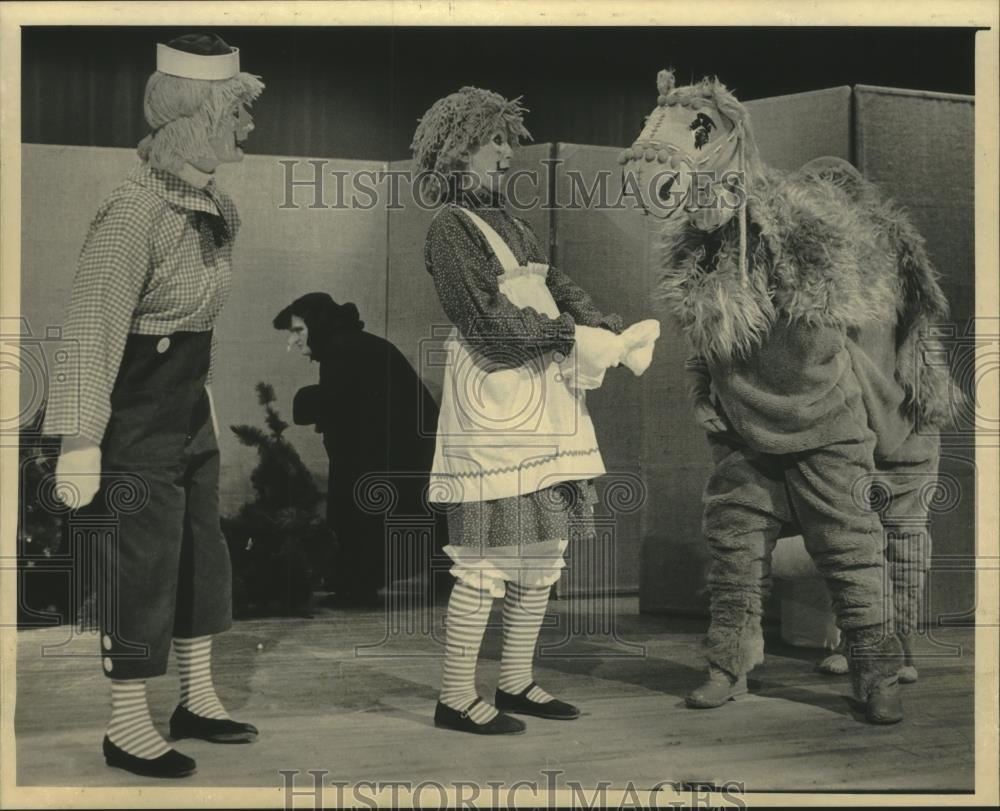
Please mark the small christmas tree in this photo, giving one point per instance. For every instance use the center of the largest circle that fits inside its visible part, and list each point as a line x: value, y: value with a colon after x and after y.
x: 278, y: 542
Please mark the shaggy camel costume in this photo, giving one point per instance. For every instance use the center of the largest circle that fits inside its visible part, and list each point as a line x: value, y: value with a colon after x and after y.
x: 807, y: 298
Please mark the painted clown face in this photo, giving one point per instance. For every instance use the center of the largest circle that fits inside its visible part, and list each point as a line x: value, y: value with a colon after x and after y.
x: 490, y: 160
x: 685, y: 162
x: 227, y: 140
x: 298, y: 336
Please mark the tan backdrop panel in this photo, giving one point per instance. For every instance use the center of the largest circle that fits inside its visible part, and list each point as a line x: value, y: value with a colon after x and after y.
x: 604, y: 247
x: 796, y: 128
x: 919, y: 148
x: 280, y: 254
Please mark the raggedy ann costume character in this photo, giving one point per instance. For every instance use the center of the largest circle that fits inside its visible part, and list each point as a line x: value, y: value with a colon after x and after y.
x: 152, y: 277
x: 516, y: 450
x: 807, y: 299
x: 377, y: 419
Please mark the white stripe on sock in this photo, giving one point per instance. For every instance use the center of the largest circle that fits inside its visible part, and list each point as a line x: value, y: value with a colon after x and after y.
x: 194, y: 662
x: 537, y: 694
x: 523, y: 612
x: 483, y: 713
x: 468, y: 614
x: 131, y: 726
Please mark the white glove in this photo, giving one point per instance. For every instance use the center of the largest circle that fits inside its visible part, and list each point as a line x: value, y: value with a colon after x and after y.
x: 594, y: 350
x: 639, y: 340
x: 78, y: 472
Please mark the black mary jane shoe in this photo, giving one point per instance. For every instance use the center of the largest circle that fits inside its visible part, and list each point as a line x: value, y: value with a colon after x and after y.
x: 185, y: 724
x: 554, y: 710
x: 169, y: 764
x: 447, y: 718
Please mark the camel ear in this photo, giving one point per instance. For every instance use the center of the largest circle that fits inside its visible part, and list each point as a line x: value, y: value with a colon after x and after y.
x: 665, y: 82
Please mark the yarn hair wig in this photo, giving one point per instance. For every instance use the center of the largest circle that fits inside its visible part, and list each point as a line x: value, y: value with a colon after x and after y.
x: 462, y: 121
x: 184, y: 113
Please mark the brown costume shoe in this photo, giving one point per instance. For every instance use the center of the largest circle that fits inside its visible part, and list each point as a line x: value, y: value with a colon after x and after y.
x: 908, y: 672
x: 885, y: 705
x: 875, y: 659
x: 717, y: 690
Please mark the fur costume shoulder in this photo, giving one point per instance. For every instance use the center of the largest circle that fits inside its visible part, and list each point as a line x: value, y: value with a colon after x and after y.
x: 824, y: 247
x: 920, y: 299
x: 810, y: 256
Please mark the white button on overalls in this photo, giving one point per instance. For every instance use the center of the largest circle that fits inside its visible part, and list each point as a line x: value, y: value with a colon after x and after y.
x: 163, y: 345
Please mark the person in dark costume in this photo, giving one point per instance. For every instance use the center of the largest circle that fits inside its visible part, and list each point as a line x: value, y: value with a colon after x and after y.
x: 377, y: 420
x: 138, y: 421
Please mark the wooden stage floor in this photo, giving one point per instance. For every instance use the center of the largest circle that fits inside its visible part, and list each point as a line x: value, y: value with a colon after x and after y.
x: 321, y: 703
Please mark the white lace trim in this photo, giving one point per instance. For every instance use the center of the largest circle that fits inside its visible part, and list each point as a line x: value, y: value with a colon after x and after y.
x: 530, y: 269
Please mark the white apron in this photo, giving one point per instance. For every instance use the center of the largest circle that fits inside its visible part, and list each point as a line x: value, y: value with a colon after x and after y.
x: 510, y: 432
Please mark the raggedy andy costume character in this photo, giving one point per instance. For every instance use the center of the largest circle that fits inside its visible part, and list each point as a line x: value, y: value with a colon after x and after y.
x: 152, y: 277
x: 516, y: 450
x: 807, y: 299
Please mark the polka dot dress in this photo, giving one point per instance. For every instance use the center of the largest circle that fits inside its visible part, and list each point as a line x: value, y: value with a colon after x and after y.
x: 465, y: 271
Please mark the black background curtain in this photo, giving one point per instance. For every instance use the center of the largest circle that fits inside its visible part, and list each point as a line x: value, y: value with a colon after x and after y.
x: 353, y: 92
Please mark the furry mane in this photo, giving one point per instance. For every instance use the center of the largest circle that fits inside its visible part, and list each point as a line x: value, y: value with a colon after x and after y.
x: 811, y: 256
x: 930, y: 393
x: 828, y: 251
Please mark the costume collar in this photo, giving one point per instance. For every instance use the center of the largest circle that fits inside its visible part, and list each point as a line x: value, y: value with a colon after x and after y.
x: 479, y: 198
x: 194, y: 176
x: 182, y: 190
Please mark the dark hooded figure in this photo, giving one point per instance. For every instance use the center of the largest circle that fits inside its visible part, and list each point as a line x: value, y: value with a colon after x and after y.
x: 377, y: 420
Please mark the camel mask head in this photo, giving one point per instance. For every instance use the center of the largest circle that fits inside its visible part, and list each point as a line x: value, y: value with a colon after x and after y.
x: 695, y: 157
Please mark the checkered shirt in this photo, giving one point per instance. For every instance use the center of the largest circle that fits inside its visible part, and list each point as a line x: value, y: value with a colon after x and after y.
x: 150, y: 265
